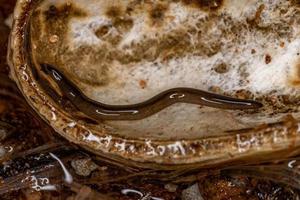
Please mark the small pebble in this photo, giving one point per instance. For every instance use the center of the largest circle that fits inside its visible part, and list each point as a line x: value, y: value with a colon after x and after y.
x: 171, y: 187
x: 83, y: 167
x: 192, y: 193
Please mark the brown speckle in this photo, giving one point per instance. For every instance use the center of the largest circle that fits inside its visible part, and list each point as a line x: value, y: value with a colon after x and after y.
x: 143, y: 84
x: 157, y: 13
x: 205, y: 4
x: 119, y: 18
x: 114, y: 12
x: 268, y: 59
x: 123, y: 24
x: 102, y: 31
x: 221, y: 68
x: 243, y: 94
x: 215, y: 89
x: 64, y: 11
x: 56, y: 19
x: 253, y: 51
x: 282, y: 44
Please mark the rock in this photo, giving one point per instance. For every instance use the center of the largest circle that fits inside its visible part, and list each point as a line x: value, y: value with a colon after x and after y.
x: 83, y: 167
x: 192, y: 193
x: 171, y: 187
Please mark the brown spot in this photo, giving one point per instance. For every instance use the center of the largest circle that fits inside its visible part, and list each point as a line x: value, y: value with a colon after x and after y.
x: 119, y: 19
x: 56, y: 19
x: 268, y: 59
x: 282, y: 44
x: 102, y: 31
x: 205, y: 4
x: 114, y: 11
x: 143, y: 84
x: 215, y: 89
x: 123, y: 24
x: 157, y: 13
x: 221, y: 68
x: 243, y: 94
x: 253, y: 51
x: 64, y: 11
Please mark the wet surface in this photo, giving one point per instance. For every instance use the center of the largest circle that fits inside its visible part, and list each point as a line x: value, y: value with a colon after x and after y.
x: 35, y: 163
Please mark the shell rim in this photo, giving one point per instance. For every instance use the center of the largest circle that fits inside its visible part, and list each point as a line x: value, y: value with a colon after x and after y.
x: 203, y: 152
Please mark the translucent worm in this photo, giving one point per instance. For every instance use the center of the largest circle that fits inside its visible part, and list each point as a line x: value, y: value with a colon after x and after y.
x: 101, y: 111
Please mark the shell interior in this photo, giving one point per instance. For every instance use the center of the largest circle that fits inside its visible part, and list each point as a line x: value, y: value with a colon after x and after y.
x: 123, y: 52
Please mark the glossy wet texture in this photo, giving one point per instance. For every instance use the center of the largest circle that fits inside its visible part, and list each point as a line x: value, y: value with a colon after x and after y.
x: 142, y: 110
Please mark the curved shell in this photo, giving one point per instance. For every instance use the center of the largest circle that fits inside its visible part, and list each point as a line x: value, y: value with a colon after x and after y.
x: 201, y: 147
